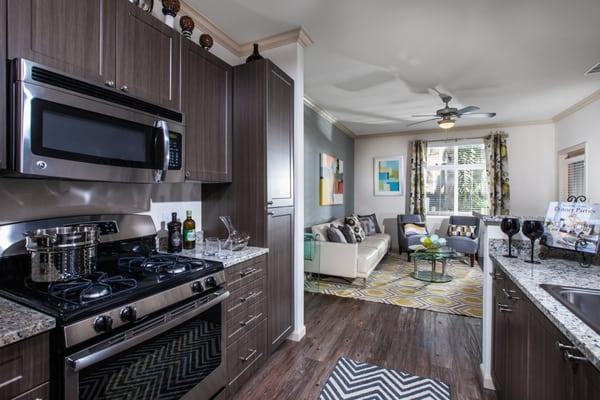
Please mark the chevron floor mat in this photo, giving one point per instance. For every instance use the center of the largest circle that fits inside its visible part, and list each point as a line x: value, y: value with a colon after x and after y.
x: 353, y: 380
x: 391, y: 283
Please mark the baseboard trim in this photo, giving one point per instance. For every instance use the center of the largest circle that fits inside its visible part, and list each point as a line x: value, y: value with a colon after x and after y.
x: 486, y: 380
x: 298, y: 334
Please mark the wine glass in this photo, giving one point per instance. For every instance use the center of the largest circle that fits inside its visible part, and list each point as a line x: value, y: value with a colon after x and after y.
x: 533, y: 230
x: 511, y: 227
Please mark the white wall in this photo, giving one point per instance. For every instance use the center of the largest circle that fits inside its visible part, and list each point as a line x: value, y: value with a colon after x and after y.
x: 532, y: 171
x: 580, y: 127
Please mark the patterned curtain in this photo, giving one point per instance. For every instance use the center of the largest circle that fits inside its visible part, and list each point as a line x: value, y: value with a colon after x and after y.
x: 497, y: 173
x: 416, y: 196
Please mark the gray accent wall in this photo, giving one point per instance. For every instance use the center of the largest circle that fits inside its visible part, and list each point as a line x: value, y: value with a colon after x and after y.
x: 321, y: 136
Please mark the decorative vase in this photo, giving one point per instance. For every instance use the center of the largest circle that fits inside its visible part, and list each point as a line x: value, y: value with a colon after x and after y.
x: 238, y: 240
x: 187, y: 26
x: 206, y: 41
x: 170, y: 10
x: 255, y: 56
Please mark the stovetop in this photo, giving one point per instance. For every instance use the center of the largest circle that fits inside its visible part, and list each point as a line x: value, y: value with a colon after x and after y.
x: 120, y: 277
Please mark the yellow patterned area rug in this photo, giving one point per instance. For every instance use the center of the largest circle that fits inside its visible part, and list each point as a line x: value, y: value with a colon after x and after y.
x: 391, y: 283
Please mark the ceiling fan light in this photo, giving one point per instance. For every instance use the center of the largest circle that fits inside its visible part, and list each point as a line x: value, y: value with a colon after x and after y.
x: 446, y: 123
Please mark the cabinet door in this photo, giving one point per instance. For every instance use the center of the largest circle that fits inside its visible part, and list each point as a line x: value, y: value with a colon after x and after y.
x: 147, y: 56
x: 74, y: 36
x: 280, y: 274
x: 206, y: 102
x: 499, y: 338
x: 280, y: 138
x: 516, y: 330
x: 3, y: 105
x: 586, y: 381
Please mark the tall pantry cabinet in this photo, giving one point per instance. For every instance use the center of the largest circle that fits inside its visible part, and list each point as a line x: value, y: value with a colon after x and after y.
x: 260, y: 199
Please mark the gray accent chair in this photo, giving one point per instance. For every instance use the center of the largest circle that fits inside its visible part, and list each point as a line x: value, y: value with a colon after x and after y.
x: 463, y: 244
x: 405, y: 241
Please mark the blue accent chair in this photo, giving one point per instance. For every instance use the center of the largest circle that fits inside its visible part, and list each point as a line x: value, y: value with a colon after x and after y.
x: 465, y: 245
x: 405, y: 241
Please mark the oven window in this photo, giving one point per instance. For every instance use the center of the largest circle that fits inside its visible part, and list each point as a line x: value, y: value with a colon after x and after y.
x: 65, y: 132
x: 167, y: 366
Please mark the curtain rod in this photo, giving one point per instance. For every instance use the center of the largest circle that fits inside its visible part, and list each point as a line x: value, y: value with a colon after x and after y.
x: 455, y: 139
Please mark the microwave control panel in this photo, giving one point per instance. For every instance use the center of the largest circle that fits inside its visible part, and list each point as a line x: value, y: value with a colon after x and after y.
x: 175, y: 151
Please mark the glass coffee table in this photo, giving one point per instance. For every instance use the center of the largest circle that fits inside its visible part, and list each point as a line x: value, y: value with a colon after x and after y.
x: 441, y: 255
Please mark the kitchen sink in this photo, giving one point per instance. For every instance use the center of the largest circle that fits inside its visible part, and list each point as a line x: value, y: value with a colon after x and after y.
x: 585, y: 303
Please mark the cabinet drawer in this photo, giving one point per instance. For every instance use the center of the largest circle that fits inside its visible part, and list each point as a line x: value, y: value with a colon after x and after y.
x: 246, y: 356
x: 41, y: 392
x: 240, y: 300
x: 245, y: 321
x: 23, y: 366
x: 246, y: 272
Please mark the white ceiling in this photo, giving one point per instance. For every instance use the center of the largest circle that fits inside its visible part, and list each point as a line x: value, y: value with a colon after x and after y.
x: 373, y: 61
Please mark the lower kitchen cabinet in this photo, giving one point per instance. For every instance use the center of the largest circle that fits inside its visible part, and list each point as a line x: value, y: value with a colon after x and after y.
x: 25, y: 369
x: 532, y: 359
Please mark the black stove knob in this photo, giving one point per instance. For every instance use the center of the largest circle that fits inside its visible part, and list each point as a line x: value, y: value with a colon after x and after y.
x: 128, y: 314
x: 210, y: 282
x: 197, y: 287
x: 103, y: 323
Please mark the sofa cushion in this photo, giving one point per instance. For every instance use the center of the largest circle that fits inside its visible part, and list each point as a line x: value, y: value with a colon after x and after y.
x: 373, y: 218
x: 376, y: 243
x: 348, y: 233
x: 385, y: 237
x: 354, y: 223
x: 367, y: 258
x: 334, y: 234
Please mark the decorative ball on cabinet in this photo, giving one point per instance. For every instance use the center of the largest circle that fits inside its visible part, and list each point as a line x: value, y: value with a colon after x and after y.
x: 187, y: 26
x: 206, y: 41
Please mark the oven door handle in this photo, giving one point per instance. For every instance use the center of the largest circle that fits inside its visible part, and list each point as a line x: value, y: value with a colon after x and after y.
x: 111, y: 347
x: 166, y: 147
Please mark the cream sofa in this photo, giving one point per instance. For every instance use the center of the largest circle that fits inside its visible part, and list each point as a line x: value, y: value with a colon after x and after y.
x: 347, y: 260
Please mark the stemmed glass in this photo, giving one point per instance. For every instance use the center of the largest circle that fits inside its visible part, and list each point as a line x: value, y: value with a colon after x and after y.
x: 533, y: 230
x: 511, y: 227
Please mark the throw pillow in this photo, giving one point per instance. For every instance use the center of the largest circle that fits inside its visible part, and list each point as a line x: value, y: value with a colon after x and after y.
x: 354, y: 224
x: 368, y: 226
x: 348, y: 233
x: 415, y: 229
x: 461, y: 230
x: 335, y: 235
x: 373, y: 218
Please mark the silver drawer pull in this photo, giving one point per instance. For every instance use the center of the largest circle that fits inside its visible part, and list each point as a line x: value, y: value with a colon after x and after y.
x: 572, y: 358
x: 504, y: 308
x: 508, y: 294
x: 563, y: 347
x: 249, y: 356
x: 251, y: 318
x: 496, y: 275
x: 250, y: 296
x: 13, y: 380
x: 247, y: 272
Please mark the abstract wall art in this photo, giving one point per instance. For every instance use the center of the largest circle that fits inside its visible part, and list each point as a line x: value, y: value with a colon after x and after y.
x: 388, y: 176
x: 331, y: 180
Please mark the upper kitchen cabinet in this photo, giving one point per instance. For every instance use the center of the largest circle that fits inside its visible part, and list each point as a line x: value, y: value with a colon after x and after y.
x: 207, y: 104
x: 147, y: 56
x: 280, y: 138
x: 74, y: 36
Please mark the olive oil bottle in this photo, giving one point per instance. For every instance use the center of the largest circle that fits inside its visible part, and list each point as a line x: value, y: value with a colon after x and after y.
x: 189, y: 232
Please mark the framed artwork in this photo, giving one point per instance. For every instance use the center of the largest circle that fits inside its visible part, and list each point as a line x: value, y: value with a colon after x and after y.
x: 388, y: 176
x: 331, y: 180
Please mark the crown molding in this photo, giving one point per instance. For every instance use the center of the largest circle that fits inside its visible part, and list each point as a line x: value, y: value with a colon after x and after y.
x: 328, y: 116
x: 204, y: 24
x: 461, y: 129
x: 577, y: 106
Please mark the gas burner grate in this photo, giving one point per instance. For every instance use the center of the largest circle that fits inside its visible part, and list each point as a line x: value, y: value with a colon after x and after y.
x: 163, y: 265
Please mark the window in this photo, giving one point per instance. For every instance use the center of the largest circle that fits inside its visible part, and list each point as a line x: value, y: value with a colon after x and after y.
x: 572, y: 172
x: 455, y: 178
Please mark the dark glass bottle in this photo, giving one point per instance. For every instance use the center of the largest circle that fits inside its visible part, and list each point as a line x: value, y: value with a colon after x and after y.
x: 175, y: 239
x: 255, y: 56
x: 189, y: 231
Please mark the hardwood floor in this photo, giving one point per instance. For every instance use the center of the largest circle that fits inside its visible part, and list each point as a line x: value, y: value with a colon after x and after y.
x: 441, y: 346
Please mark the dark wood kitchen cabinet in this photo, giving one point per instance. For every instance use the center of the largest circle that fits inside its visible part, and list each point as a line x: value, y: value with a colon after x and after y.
x: 206, y: 102
x: 74, y: 36
x: 3, y: 89
x: 147, y: 56
x: 532, y: 359
x: 25, y: 368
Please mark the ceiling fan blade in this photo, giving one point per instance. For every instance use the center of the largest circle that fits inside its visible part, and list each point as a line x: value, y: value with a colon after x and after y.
x: 420, y: 122
x: 468, y: 109
x: 477, y: 115
x: 424, y: 116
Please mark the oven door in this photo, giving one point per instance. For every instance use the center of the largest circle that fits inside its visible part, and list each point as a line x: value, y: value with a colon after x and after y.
x: 63, y: 134
x: 176, y: 355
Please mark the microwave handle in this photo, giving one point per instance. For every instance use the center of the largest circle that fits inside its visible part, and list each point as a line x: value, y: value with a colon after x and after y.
x: 166, y: 146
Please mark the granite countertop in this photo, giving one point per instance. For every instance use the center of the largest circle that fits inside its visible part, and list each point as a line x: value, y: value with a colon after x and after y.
x: 245, y: 254
x: 557, y: 272
x: 18, y: 322
x: 497, y: 219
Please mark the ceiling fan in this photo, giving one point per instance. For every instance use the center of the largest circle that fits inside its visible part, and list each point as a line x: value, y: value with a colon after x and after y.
x: 447, y: 116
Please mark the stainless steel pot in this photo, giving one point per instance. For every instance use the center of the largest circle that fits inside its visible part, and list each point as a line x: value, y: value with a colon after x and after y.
x: 62, y: 253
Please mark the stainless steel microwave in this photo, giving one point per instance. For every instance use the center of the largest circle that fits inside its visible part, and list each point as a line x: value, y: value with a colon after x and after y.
x: 64, y: 127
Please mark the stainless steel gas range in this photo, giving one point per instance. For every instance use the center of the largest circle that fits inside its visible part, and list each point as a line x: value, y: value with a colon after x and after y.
x: 144, y: 325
